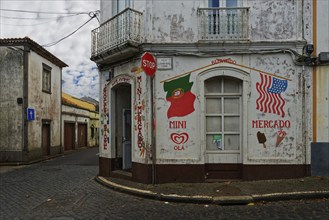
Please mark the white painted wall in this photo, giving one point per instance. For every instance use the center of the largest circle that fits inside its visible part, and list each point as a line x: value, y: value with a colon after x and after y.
x: 291, y: 150
x: 176, y: 22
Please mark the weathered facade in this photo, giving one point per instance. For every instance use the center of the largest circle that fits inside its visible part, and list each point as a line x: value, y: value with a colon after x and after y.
x: 231, y: 96
x: 79, y: 123
x: 30, y: 88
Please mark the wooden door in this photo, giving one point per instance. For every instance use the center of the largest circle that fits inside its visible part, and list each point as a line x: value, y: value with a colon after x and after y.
x: 82, y: 135
x: 69, y: 136
x: 45, y: 139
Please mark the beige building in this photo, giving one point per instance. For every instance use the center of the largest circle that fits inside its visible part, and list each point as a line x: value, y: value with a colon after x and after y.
x: 30, y: 101
x: 79, y: 123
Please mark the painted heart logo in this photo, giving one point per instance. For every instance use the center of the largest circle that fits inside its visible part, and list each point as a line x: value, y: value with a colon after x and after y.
x: 179, y: 138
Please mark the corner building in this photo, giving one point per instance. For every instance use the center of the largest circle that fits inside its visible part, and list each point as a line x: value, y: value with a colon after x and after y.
x: 231, y: 97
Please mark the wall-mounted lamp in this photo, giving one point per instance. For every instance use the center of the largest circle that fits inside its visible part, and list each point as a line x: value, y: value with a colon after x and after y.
x: 308, y: 49
x: 19, y: 100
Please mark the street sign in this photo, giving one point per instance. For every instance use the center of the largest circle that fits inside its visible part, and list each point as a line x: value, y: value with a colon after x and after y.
x: 148, y: 64
x: 30, y: 114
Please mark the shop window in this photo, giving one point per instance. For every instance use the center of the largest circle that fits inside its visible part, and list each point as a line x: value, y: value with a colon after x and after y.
x: 46, y: 78
x: 223, y: 118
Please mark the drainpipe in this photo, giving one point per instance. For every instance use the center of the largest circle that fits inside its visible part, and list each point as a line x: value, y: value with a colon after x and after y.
x: 61, y: 124
x: 153, y: 132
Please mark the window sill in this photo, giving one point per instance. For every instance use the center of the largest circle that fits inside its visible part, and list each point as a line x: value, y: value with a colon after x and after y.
x: 223, y: 151
x: 45, y: 91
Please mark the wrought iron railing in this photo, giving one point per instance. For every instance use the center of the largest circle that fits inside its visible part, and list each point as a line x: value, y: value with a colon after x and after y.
x: 223, y: 23
x: 121, y: 29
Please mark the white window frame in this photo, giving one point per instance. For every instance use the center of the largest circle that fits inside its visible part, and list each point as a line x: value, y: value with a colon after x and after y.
x: 120, y: 5
x: 222, y: 3
x: 46, y: 78
x: 221, y: 97
x: 235, y: 73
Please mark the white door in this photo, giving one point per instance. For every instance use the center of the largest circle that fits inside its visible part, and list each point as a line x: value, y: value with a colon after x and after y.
x: 223, y: 119
x: 126, y: 139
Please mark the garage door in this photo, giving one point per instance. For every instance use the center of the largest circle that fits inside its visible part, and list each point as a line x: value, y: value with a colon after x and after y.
x: 82, y: 135
x: 69, y: 136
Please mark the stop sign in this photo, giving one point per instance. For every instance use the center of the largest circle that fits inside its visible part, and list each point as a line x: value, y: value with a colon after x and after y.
x: 148, y: 64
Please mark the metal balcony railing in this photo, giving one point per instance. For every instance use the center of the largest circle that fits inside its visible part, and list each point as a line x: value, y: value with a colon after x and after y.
x: 223, y: 23
x: 121, y: 29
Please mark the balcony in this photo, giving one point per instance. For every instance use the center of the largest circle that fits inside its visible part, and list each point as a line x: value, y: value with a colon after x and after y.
x: 223, y: 24
x: 118, y: 37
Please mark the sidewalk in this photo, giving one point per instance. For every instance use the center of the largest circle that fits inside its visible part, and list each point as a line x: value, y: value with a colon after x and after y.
x: 235, y: 192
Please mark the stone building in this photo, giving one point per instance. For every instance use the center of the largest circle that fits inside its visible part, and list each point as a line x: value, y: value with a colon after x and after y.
x: 30, y: 101
x: 231, y: 97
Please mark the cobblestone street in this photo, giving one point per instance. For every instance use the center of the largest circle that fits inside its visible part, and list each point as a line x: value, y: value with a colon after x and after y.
x: 64, y: 188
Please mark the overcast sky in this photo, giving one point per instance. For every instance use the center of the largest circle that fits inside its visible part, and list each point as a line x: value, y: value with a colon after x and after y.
x: 81, y: 77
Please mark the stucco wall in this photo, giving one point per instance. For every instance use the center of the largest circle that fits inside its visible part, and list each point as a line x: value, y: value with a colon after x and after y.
x: 292, y: 148
x: 11, y: 88
x: 47, y: 105
x: 292, y: 122
x: 177, y: 21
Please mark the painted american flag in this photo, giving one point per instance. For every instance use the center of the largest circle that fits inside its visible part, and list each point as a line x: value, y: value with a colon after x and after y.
x: 270, y: 99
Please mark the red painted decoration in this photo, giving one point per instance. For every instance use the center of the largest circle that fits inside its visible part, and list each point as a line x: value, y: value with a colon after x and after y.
x: 179, y: 138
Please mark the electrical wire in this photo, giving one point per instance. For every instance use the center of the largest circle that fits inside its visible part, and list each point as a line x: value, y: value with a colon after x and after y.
x: 63, y: 38
x: 43, y: 12
x: 24, y: 18
x: 22, y: 25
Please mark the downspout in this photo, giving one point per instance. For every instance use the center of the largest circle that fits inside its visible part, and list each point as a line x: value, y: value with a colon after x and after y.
x: 25, y: 152
x: 61, y: 124
x: 153, y: 132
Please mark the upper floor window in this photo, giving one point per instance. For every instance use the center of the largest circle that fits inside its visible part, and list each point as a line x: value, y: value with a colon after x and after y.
x: 224, y: 19
x: 223, y: 3
x: 120, y: 5
x: 46, y: 78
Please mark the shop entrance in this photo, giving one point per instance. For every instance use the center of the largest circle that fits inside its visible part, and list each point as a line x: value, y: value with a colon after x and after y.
x: 121, y: 94
x: 223, y: 121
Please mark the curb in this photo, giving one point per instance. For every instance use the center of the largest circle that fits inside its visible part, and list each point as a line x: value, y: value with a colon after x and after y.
x: 219, y: 200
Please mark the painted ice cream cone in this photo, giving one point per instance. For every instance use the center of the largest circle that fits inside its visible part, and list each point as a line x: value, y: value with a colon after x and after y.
x: 280, y: 137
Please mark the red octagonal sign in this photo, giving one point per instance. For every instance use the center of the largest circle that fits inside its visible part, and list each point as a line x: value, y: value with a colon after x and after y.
x: 148, y: 64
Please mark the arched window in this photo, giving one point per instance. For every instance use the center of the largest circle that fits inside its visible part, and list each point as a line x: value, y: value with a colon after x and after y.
x: 223, y: 113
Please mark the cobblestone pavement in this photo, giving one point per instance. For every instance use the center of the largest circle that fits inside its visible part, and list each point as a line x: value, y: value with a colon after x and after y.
x: 64, y: 188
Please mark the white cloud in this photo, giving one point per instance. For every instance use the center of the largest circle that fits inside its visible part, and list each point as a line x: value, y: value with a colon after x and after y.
x: 74, y: 51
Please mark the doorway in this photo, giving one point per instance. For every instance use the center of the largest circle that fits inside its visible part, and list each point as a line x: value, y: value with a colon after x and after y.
x: 223, y: 102
x: 126, y: 140
x: 121, y: 94
x: 69, y: 137
x: 82, y: 135
x: 45, y: 138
